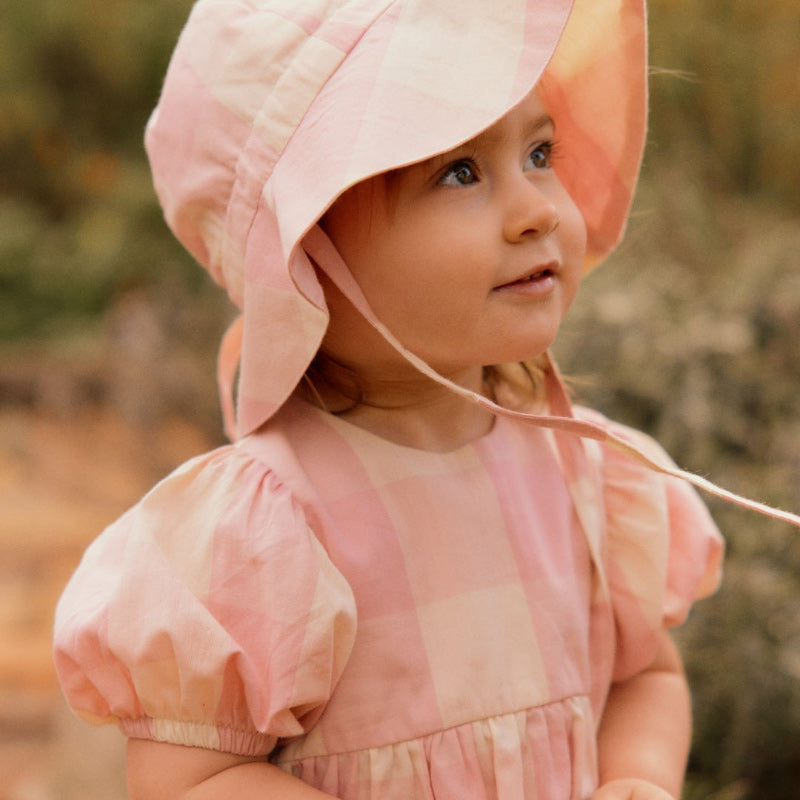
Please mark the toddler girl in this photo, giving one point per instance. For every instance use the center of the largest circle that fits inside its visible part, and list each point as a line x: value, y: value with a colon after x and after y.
x: 418, y: 572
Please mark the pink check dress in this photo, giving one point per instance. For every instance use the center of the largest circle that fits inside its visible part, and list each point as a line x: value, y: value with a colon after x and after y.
x: 385, y: 622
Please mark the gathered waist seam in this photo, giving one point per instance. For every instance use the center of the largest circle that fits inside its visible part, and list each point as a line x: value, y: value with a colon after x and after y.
x: 569, y: 700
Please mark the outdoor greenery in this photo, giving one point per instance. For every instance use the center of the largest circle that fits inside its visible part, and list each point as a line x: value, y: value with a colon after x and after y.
x: 690, y: 331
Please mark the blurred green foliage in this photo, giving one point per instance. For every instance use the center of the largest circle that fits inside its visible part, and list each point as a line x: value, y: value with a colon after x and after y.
x: 78, y: 220
x: 691, y: 332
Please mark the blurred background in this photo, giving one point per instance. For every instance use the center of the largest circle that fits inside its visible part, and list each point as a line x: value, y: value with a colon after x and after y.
x: 108, y: 334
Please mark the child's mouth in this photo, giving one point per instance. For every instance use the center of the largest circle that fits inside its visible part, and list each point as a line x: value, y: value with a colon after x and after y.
x: 542, y: 273
x: 541, y: 280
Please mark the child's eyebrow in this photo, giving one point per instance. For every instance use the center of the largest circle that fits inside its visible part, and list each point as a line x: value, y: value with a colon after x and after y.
x: 543, y: 121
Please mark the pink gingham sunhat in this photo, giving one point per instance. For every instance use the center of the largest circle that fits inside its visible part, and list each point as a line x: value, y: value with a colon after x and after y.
x: 272, y: 108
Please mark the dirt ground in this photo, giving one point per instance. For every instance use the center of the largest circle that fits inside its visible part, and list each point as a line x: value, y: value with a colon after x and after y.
x: 62, y: 479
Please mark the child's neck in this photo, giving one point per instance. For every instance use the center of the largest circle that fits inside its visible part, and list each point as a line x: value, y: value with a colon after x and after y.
x: 439, y: 425
x: 417, y: 413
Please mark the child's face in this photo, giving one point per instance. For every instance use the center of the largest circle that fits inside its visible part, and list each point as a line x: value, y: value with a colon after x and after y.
x: 470, y: 258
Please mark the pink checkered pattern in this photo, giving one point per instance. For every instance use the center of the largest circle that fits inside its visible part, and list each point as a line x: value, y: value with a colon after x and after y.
x: 387, y: 622
x: 384, y: 622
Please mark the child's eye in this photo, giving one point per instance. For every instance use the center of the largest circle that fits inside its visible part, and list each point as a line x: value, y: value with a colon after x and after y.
x: 462, y: 173
x: 541, y: 157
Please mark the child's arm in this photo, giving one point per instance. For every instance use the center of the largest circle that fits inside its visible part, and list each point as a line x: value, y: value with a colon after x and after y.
x: 646, y: 731
x: 158, y: 771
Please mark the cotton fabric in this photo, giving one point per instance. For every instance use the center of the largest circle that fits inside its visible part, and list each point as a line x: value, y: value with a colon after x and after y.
x: 385, y: 621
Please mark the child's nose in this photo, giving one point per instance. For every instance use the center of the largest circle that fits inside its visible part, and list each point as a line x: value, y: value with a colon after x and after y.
x: 529, y: 210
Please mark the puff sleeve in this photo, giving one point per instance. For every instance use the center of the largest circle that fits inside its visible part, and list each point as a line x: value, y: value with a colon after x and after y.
x: 207, y: 615
x: 663, y: 549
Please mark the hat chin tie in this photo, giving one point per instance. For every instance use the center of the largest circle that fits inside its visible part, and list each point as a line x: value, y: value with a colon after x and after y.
x: 323, y: 253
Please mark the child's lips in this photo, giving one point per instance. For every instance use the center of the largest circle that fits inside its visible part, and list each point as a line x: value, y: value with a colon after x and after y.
x: 538, y: 280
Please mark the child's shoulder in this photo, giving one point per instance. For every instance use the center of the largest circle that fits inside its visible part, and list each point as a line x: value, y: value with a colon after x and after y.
x: 641, y: 440
x: 593, y: 415
x: 261, y: 463
x: 634, y: 491
x: 236, y: 497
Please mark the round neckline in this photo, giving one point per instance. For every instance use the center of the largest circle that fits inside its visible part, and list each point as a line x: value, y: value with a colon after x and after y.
x: 367, y: 435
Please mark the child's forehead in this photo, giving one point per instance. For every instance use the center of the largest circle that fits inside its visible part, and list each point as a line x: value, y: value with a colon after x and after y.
x: 507, y: 127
